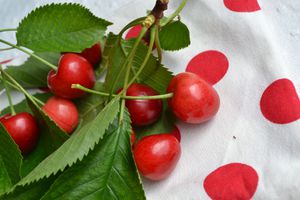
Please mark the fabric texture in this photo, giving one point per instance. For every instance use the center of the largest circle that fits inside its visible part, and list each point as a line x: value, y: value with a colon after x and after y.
x: 248, y: 50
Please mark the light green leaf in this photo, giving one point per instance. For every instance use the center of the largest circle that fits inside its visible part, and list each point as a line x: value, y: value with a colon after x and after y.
x: 33, y: 73
x: 78, y: 146
x: 154, y: 74
x: 108, y: 172
x: 174, y: 36
x: 10, y: 161
x: 60, y: 28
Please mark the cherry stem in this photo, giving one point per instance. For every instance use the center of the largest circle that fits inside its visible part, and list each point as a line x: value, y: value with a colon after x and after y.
x: 13, y: 86
x: 31, y: 54
x: 17, y: 85
x: 163, y: 96
x: 152, y: 37
x: 126, y: 61
x: 130, y: 59
x: 157, y: 44
x: 131, y: 24
x: 8, y: 29
x: 11, y: 105
x: 6, y: 49
x: 176, y: 13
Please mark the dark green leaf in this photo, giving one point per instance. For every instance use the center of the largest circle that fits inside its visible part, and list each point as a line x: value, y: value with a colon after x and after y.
x: 60, y: 28
x: 165, y: 124
x: 33, y: 73
x: 78, y: 146
x: 108, y: 172
x: 33, y: 191
x: 154, y: 74
x: 174, y: 36
x: 10, y: 161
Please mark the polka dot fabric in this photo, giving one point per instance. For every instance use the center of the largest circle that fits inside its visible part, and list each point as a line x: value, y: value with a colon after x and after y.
x: 248, y: 50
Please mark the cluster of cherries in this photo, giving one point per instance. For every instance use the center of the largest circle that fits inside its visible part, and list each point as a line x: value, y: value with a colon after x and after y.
x: 193, y: 101
x: 72, y: 68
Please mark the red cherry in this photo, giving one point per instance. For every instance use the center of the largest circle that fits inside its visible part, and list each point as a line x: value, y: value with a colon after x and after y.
x: 23, y: 129
x: 194, y: 100
x: 63, y: 112
x: 176, y: 132
x: 93, y: 54
x: 156, y: 156
x: 143, y: 112
x: 72, y: 69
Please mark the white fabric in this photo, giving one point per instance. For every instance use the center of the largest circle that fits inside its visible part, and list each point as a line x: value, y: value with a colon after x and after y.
x: 261, y: 47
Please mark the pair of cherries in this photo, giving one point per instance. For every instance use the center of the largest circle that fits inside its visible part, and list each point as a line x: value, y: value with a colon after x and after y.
x: 72, y: 68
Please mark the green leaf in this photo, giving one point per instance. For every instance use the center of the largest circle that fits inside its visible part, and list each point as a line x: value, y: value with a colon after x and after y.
x: 78, y: 146
x: 60, y: 28
x: 33, y: 73
x: 165, y: 124
x: 10, y: 161
x: 108, y: 172
x: 174, y: 36
x: 154, y: 74
x: 33, y: 191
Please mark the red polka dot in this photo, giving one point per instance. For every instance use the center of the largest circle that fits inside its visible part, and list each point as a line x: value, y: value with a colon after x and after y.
x: 5, y: 61
x: 209, y: 65
x: 233, y: 181
x: 280, y: 102
x: 242, y: 5
x: 133, y: 32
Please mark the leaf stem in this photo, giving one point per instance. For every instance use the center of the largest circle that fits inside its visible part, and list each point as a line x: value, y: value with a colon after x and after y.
x: 151, y: 43
x: 31, y: 54
x: 8, y: 29
x: 172, y: 16
x: 163, y: 96
x: 11, y: 105
x: 20, y: 88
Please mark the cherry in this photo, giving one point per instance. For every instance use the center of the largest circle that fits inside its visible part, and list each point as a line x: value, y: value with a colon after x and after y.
x: 176, y: 133
x: 23, y: 129
x: 194, y: 100
x: 63, y: 112
x: 93, y: 54
x: 72, y: 69
x: 143, y: 112
x: 156, y: 156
